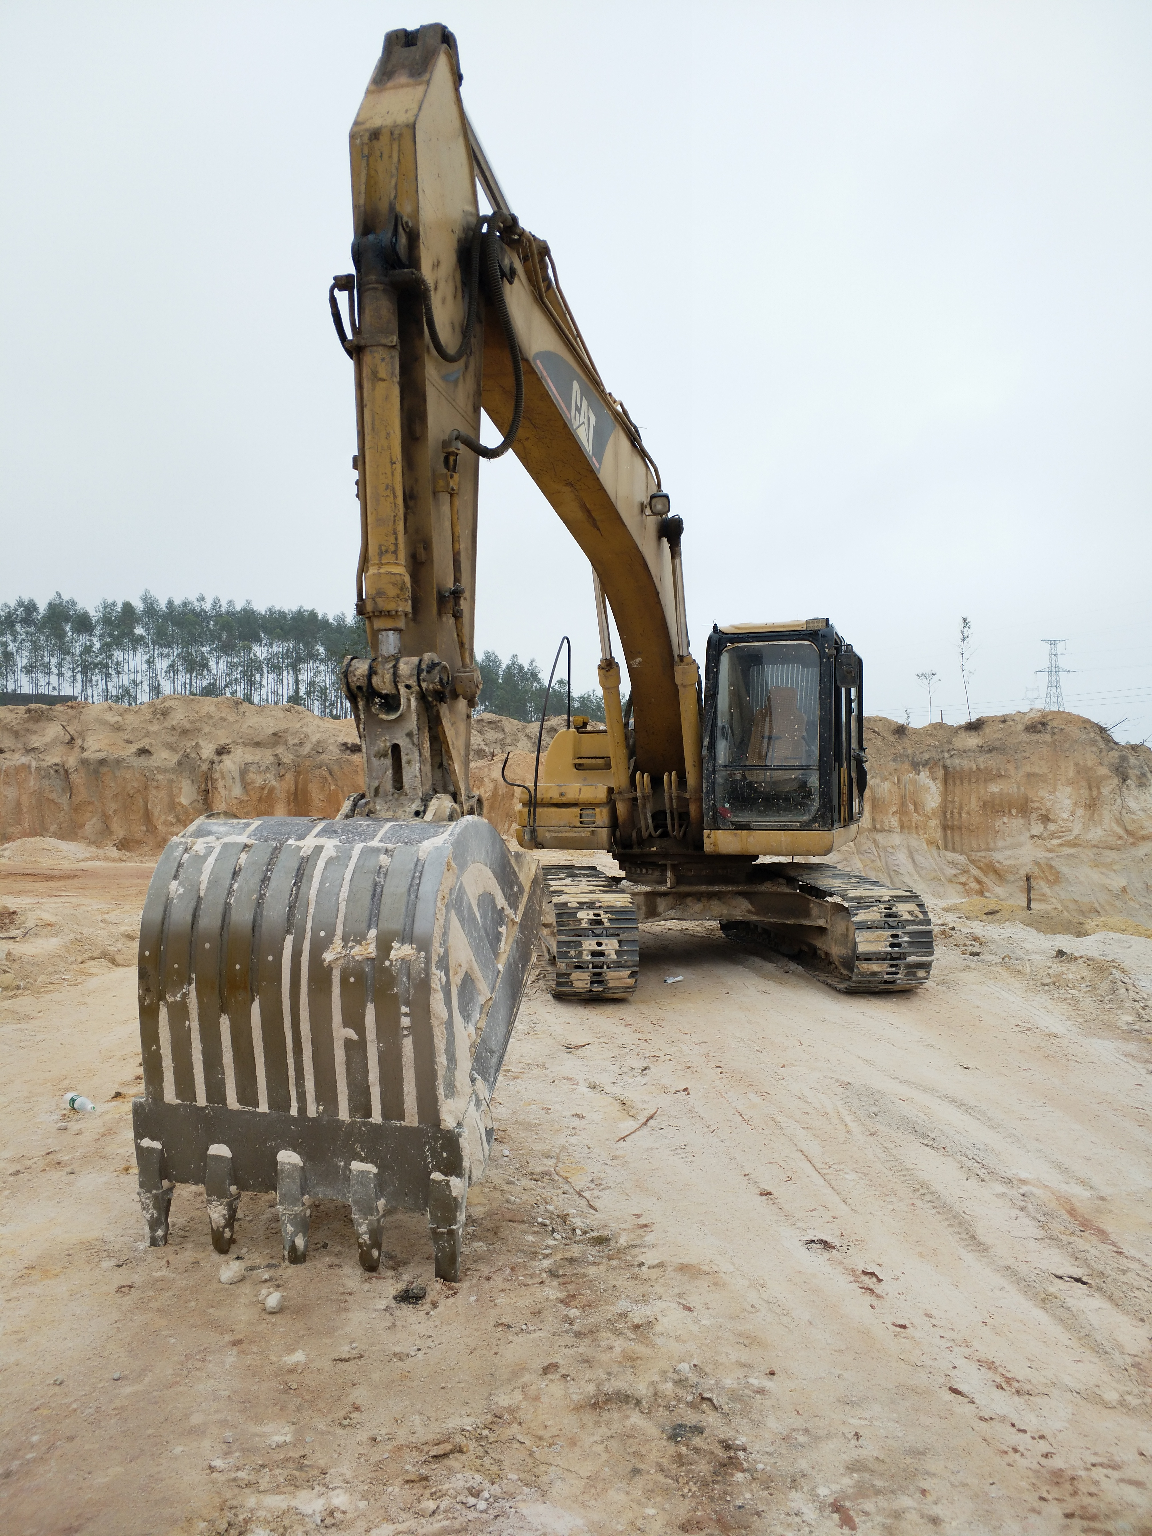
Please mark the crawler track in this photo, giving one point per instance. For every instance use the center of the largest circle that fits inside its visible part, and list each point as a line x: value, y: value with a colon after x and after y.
x: 889, y: 948
x: 594, y: 948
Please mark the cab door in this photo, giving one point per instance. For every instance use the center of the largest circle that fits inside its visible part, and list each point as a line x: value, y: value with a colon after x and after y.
x: 849, y: 770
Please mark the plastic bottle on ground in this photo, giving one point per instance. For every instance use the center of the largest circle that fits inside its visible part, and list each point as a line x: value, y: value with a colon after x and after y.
x: 78, y: 1102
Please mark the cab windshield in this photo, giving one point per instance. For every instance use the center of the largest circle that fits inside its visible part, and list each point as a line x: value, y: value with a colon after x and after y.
x: 768, y: 734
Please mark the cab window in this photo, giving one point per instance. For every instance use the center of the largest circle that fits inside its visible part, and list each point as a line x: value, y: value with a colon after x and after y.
x: 768, y: 734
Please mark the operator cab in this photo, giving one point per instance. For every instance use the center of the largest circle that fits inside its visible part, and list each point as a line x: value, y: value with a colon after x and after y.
x: 784, y: 764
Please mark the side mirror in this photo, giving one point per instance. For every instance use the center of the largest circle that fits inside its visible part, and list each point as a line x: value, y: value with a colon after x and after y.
x: 848, y: 670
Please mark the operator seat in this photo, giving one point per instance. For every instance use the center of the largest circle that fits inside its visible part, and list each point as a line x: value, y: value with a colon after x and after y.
x: 778, y: 729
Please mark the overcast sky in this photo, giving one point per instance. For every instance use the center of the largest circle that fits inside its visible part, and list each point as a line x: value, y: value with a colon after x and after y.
x: 873, y: 278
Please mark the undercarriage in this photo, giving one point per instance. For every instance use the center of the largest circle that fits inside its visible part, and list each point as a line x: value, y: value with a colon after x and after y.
x: 854, y: 933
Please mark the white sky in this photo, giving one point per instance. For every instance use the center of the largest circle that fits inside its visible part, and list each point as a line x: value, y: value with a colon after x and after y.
x: 872, y: 277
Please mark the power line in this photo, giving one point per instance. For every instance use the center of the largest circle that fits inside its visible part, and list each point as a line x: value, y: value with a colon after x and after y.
x: 1114, y: 696
x: 1113, y: 693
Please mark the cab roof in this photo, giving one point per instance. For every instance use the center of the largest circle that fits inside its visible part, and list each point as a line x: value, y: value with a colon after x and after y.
x: 757, y: 629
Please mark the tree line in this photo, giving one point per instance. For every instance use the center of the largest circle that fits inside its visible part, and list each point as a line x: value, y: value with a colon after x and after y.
x: 516, y: 689
x: 128, y: 653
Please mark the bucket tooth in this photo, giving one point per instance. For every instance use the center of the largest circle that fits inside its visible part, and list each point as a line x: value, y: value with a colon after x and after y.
x: 292, y: 1203
x: 155, y: 1190
x: 447, y: 1198
x: 367, y: 1214
x: 222, y: 1195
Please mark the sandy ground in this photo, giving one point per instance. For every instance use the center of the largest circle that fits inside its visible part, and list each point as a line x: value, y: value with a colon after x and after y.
x: 865, y: 1264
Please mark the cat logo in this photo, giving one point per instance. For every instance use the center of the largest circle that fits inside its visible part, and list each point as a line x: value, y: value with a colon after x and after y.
x: 583, y: 417
x: 584, y: 411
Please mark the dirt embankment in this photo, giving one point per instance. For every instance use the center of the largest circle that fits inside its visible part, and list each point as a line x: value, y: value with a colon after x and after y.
x: 115, y: 776
x: 132, y: 777
x: 959, y: 813
x: 968, y: 811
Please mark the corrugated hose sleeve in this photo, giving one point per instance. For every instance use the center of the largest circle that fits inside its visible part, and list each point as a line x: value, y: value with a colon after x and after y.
x: 407, y: 277
x: 495, y: 279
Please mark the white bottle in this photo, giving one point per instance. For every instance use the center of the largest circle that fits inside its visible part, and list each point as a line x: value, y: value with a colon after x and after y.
x: 77, y: 1101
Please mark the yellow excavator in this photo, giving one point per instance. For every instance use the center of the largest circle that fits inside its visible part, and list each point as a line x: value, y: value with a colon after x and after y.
x: 325, y: 1004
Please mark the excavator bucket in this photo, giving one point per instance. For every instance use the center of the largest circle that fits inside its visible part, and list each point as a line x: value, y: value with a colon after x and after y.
x: 324, y: 1010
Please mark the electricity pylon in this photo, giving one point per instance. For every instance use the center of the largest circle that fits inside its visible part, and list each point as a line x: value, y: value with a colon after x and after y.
x: 1054, y: 695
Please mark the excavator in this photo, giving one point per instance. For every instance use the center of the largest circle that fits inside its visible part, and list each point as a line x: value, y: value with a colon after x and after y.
x: 325, y: 1004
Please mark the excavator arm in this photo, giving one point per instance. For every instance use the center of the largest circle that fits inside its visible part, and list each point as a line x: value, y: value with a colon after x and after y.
x: 596, y: 478
x: 450, y: 311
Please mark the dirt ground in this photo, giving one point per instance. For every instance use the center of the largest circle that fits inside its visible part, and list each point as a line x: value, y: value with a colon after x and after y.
x: 752, y: 1256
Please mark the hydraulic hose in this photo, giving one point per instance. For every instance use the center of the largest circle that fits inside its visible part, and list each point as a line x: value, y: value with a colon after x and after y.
x: 408, y: 277
x: 564, y: 641
x: 495, y: 279
x: 486, y: 243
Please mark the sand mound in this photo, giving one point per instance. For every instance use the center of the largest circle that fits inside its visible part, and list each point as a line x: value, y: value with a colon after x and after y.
x: 51, y: 852
x: 961, y: 812
x: 493, y: 735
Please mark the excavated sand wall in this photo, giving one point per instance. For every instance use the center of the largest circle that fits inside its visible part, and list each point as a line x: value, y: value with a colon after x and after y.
x: 955, y: 812
x: 132, y: 777
x: 959, y: 811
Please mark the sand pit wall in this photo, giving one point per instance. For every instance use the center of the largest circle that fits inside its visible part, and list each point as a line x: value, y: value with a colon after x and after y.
x: 965, y: 811
x: 127, y: 777
x: 953, y: 811
x: 134, y: 776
